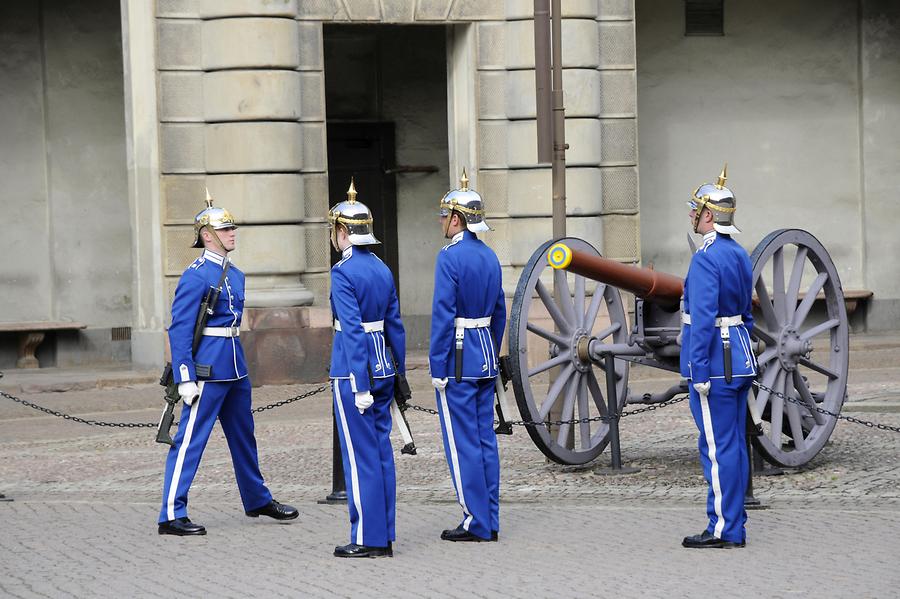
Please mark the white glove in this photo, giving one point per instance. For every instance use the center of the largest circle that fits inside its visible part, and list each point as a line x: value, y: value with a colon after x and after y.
x: 439, y: 384
x: 189, y: 391
x: 702, y: 388
x: 363, y: 400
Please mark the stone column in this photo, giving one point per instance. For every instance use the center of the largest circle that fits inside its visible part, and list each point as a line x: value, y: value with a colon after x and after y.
x: 600, y: 101
x: 240, y: 115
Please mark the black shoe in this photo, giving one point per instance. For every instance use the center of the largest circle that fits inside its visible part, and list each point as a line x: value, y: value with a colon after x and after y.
x: 181, y: 527
x: 354, y: 550
x: 706, y: 540
x: 494, y: 536
x: 460, y: 534
x: 276, y: 510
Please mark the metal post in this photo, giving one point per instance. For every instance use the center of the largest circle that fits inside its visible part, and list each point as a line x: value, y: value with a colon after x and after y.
x: 542, y: 84
x: 751, y: 502
x: 612, y: 402
x: 559, y: 127
x: 338, y: 486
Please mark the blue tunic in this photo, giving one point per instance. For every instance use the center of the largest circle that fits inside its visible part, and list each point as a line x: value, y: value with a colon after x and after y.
x: 719, y: 284
x: 224, y: 354
x: 468, y: 284
x: 364, y: 302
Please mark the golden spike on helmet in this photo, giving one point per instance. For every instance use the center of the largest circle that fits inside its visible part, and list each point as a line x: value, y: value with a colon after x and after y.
x: 464, y: 181
x: 351, y: 192
x: 723, y: 176
x: 209, y: 199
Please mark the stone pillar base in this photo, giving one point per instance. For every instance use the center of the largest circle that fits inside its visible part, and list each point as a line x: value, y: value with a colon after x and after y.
x: 287, y: 345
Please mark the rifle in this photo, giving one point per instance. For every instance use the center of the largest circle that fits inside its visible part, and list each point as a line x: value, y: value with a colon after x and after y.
x: 402, y: 394
x: 503, y: 426
x: 167, y: 380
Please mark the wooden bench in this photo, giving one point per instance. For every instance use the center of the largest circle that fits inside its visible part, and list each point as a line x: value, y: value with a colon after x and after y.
x: 31, y: 335
x: 852, y: 298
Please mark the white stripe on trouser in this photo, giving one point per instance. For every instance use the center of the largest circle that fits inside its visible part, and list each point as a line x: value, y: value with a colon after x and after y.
x: 179, y: 462
x: 714, y: 465
x: 454, y: 458
x: 354, y: 474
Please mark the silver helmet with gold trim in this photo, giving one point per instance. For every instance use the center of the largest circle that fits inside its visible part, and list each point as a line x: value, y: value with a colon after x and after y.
x: 213, y: 217
x: 466, y: 202
x: 355, y: 217
x: 719, y: 200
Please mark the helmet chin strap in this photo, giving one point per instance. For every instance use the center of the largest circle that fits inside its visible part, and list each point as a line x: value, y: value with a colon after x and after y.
x: 216, y: 237
x: 447, y: 224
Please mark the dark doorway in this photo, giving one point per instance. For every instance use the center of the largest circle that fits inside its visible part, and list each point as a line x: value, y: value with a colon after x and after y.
x: 364, y: 151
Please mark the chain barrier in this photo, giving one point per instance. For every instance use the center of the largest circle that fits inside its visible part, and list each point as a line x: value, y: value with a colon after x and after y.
x: 72, y: 418
x: 866, y: 423
x: 584, y: 420
x: 532, y: 423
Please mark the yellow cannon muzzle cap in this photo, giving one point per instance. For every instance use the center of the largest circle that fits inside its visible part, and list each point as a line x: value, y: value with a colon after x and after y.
x: 559, y: 256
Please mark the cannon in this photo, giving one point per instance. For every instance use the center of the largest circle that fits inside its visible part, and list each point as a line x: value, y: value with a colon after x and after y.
x: 568, y: 317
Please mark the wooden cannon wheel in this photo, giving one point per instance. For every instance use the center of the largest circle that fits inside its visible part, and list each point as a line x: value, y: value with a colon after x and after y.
x: 548, y: 339
x: 805, y: 356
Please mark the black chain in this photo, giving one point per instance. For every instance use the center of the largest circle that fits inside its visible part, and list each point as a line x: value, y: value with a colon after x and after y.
x: 866, y: 423
x: 585, y: 420
x: 65, y: 416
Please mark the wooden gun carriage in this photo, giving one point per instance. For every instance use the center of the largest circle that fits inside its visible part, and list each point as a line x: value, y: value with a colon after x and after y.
x: 568, y: 315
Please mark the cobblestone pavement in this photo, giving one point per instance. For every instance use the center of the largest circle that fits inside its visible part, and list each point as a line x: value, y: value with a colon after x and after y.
x: 86, y: 499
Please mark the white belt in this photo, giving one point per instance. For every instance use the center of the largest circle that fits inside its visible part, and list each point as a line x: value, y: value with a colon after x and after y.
x: 221, y: 332
x: 369, y: 327
x: 721, y: 321
x: 472, y: 323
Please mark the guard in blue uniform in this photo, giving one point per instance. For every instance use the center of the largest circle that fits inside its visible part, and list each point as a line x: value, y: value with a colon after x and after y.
x: 223, y: 390
x: 718, y: 359
x: 468, y: 316
x: 369, y: 349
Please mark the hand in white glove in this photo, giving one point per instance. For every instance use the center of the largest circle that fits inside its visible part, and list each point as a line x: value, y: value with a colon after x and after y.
x: 363, y: 400
x: 439, y: 384
x: 189, y: 391
x: 702, y: 388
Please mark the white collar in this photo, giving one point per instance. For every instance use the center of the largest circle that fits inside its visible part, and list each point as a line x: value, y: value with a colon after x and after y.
x: 458, y: 236
x: 709, y: 236
x: 214, y: 257
x: 348, y: 251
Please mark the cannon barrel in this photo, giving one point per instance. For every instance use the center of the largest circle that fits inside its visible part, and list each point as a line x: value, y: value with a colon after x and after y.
x: 658, y: 287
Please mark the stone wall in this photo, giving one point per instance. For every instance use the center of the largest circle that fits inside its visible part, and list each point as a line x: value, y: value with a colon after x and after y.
x: 67, y: 242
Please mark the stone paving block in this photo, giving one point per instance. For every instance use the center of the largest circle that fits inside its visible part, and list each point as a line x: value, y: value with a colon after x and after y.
x: 180, y: 96
x: 616, y: 10
x: 181, y: 148
x: 475, y: 10
x: 363, y: 10
x: 579, y: 44
x: 250, y: 42
x: 260, y: 198
x: 236, y: 95
x: 616, y: 45
x: 254, y: 147
x: 618, y: 142
x: 178, y: 44
x: 312, y: 96
x: 524, y: 9
x: 321, y: 10
x: 211, y: 9
x: 315, y: 157
x: 432, y: 10
x: 398, y: 11
x: 491, y: 45
x: 310, y: 52
x: 182, y: 197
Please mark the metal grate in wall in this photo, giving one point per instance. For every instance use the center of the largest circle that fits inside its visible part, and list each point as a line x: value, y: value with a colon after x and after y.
x: 704, y: 17
x: 121, y: 333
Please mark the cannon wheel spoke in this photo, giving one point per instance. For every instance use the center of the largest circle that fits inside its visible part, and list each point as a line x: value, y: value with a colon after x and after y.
x: 788, y: 364
x: 559, y: 383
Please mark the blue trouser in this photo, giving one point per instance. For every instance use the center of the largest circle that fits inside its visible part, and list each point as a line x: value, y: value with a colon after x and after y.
x: 722, y: 420
x: 368, y: 462
x: 467, y: 420
x: 229, y: 401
